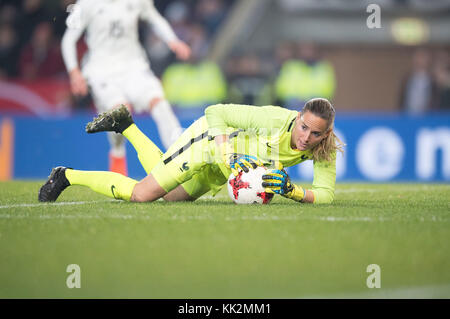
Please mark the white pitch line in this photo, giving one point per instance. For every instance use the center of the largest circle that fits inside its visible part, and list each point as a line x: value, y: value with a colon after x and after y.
x: 53, y: 204
x: 183, y: 218
x: 415, y: 292
x: 332, y: 218
x: 203, y: 198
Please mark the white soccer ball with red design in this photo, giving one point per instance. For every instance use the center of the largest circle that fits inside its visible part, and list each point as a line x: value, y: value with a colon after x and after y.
x: 246, y: 188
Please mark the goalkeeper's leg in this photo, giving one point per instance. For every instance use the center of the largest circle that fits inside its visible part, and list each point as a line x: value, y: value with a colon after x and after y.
x: 110, y: 184
x: 117, y: 186
x: 148, y: 153
x: 119, y: 120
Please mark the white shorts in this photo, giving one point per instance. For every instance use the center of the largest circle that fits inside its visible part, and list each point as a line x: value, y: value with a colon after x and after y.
x: 137, y: 88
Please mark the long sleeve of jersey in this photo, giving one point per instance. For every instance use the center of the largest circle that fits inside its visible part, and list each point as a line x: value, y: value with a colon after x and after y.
x: 324, y: 181
x: 160, y: 25
x: 222, y: 116
x: 76, y: 24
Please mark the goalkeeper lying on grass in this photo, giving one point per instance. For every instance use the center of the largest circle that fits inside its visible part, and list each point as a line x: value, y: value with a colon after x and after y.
x: 227, y: 139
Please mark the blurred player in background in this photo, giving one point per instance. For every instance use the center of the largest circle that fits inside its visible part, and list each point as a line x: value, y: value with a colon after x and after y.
x: 116, y: 68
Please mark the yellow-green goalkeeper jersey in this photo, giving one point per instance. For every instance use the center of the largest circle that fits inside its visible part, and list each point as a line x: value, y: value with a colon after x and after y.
x: 265, y: 132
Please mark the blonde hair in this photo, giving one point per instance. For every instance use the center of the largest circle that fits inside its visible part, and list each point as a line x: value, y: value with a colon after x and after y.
x: 327, y: 148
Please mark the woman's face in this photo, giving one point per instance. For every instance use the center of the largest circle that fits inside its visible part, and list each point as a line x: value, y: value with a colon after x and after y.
x: 309, y: 130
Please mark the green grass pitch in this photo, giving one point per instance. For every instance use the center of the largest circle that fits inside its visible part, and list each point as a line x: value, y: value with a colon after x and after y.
x: 213, y: 248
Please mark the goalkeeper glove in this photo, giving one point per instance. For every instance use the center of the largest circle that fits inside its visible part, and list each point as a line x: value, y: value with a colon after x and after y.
x: 236, y: 161
x: 278, y: 182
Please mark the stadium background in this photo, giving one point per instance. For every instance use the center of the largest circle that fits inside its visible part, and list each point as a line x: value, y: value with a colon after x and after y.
x: 246, y: 46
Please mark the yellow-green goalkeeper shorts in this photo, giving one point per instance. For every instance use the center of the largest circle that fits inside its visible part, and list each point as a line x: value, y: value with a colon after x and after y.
x: 190, y: 162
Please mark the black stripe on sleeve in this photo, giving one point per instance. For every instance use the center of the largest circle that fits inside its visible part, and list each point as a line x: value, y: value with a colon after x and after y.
x: 196, y: 139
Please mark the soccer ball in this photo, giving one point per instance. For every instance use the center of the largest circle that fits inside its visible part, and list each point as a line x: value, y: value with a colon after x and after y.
x: 246, y: 188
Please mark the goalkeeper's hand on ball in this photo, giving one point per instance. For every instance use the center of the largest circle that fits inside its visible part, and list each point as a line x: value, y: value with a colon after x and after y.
x: 277, y: 181
x: 237, y: 161
x: 243, y: 162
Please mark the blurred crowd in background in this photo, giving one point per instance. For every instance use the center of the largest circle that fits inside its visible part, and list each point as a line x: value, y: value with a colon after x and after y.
x: 288, y: 75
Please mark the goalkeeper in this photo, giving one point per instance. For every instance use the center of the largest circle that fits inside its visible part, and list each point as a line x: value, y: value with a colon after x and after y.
x: 229, y: 138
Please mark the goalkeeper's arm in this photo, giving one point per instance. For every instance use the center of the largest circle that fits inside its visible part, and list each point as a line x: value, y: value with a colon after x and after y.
x: 235, y: 161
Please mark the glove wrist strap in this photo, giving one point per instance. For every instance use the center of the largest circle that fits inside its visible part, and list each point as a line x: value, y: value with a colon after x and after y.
x: 298, y: 193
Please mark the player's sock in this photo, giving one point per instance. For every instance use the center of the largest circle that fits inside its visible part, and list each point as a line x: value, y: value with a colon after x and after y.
x: 118, y: 164
x: 117, y: 154
x: 169, y: 128
x: 107, y: 183
x: 148, y: 153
